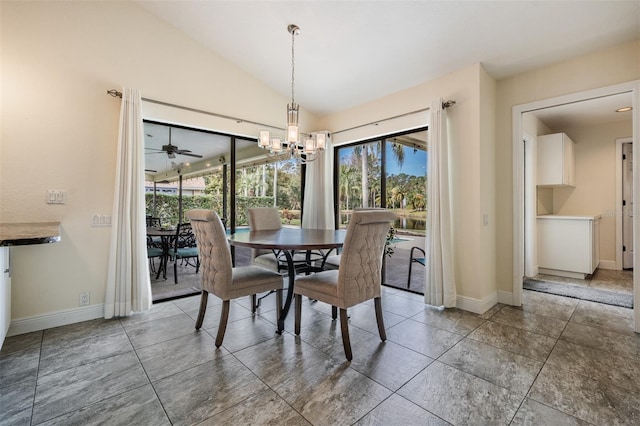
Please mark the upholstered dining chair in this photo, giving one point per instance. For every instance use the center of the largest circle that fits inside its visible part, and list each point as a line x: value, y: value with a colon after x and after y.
x: 268, y: 218
x: 265, y: 219
x: 359, y: 276
x: 218, y: 274
x: 333, y: 261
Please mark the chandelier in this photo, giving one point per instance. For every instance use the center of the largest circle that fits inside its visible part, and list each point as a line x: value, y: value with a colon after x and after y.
x: 302, y: 147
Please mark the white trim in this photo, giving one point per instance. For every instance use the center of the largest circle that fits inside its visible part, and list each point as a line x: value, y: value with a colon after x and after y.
x: 618, y: 210
x: 632, y: 87
x: 55, y: 319
x: 477, y: 306
x: 530, y: 198
x: 608, y: 264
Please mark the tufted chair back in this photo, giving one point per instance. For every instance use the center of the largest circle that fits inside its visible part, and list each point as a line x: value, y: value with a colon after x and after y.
x: 264, y: 218
x: 359, y: 275
x: 215, y: 255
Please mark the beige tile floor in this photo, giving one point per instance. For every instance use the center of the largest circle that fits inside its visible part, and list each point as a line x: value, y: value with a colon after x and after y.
x: 601, y: 279
x: 555, y: 361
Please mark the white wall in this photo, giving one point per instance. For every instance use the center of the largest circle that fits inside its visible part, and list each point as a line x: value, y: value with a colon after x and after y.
x: 59, y: 128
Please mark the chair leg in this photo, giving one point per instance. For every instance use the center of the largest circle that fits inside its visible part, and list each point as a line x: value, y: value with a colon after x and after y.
x: 344, y: 329
x: 175, y: 270
x: 298, y: 313
x: 203, y: 307
x: 160, y: 266
x: 409, y: 277
x: 334, y: 312
x: 278, y: 302
x: 378, y: 303
x: 254, y: 298
x: 222, y: 327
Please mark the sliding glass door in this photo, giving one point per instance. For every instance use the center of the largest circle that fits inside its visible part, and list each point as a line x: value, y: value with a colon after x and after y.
x: 389, y: 172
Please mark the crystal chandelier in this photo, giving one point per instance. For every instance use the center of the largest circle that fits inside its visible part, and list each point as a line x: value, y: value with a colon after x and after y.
x: 304, y: 149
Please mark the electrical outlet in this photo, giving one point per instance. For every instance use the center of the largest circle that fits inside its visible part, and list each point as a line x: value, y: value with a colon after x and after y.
x: 84, y: 298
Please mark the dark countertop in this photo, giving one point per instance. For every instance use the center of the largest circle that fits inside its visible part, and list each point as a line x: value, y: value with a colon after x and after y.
x: 19, y: 234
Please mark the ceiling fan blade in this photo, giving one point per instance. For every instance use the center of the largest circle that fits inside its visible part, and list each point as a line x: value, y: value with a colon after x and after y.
x: 190, y: 155
x: 150, y: 171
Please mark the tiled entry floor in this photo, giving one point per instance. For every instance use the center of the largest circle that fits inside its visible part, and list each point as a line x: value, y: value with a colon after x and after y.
x: 556, y: 361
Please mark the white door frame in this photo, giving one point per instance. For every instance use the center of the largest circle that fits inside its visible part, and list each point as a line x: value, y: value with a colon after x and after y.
x: 632, y: 87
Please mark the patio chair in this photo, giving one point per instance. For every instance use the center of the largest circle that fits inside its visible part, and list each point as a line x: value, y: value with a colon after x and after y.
x: 359, y: 276
x: 153, y: 252
x: 413, y: 259
x: 184, y: 248
x: 153, y: 222
x: 218, y: 274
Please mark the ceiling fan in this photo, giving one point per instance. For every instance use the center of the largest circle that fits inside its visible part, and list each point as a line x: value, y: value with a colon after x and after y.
x: 172, y: 150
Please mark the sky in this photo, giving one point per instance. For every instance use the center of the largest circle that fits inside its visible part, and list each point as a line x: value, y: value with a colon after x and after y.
x: 414, y: 163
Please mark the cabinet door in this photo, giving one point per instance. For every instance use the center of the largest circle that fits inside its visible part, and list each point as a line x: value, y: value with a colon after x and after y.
x: 550, y: 159
x: 565, y: 245
x: 556, y: 160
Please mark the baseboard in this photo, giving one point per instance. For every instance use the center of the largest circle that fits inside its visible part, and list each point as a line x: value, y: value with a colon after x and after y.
x: 607, y: 264
x: 477, y: 306
x: 55, y: 319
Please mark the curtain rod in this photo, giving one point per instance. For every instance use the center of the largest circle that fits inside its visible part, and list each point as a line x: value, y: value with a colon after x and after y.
x: 117, y: 94
x: 445, y: 104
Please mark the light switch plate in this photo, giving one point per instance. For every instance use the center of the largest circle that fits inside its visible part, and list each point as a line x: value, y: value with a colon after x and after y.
x: 56, y: 196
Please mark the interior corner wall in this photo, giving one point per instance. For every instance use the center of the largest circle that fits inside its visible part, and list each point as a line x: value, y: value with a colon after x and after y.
x: 487, y: 220
x: 59, y: 128
x: 617, y: 64
x: 468, y: 162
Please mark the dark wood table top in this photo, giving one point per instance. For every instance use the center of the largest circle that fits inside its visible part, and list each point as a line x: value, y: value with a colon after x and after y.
x: 289, y: 239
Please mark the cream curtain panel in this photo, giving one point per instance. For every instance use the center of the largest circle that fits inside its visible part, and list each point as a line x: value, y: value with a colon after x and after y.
x: 440, y: 281
x: 318, y: 192
x: 128, y: 281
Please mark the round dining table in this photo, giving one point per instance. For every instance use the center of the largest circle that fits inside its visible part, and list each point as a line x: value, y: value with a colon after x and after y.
x: 288, y: 241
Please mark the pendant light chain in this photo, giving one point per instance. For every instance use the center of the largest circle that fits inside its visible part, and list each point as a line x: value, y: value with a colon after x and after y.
x: 293, y: 67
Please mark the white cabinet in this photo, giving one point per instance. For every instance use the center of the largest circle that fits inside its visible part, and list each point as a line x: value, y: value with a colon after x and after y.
x: 556, y: 160
x: 5, y: 292
x: 568, y: 245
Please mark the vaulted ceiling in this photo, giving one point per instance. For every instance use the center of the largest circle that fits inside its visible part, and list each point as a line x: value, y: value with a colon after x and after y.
x: 351, y: 52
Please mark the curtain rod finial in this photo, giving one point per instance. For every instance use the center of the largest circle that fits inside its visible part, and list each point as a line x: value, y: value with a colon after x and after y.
x: 114, y: 93
x: 448, y: 103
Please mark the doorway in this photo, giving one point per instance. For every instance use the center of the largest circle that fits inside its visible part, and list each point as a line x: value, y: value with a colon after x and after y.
x: 631, y: 89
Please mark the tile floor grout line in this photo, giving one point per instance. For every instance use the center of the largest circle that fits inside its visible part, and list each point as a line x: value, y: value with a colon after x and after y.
x: 35, y: 385
x: 155, y: 392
